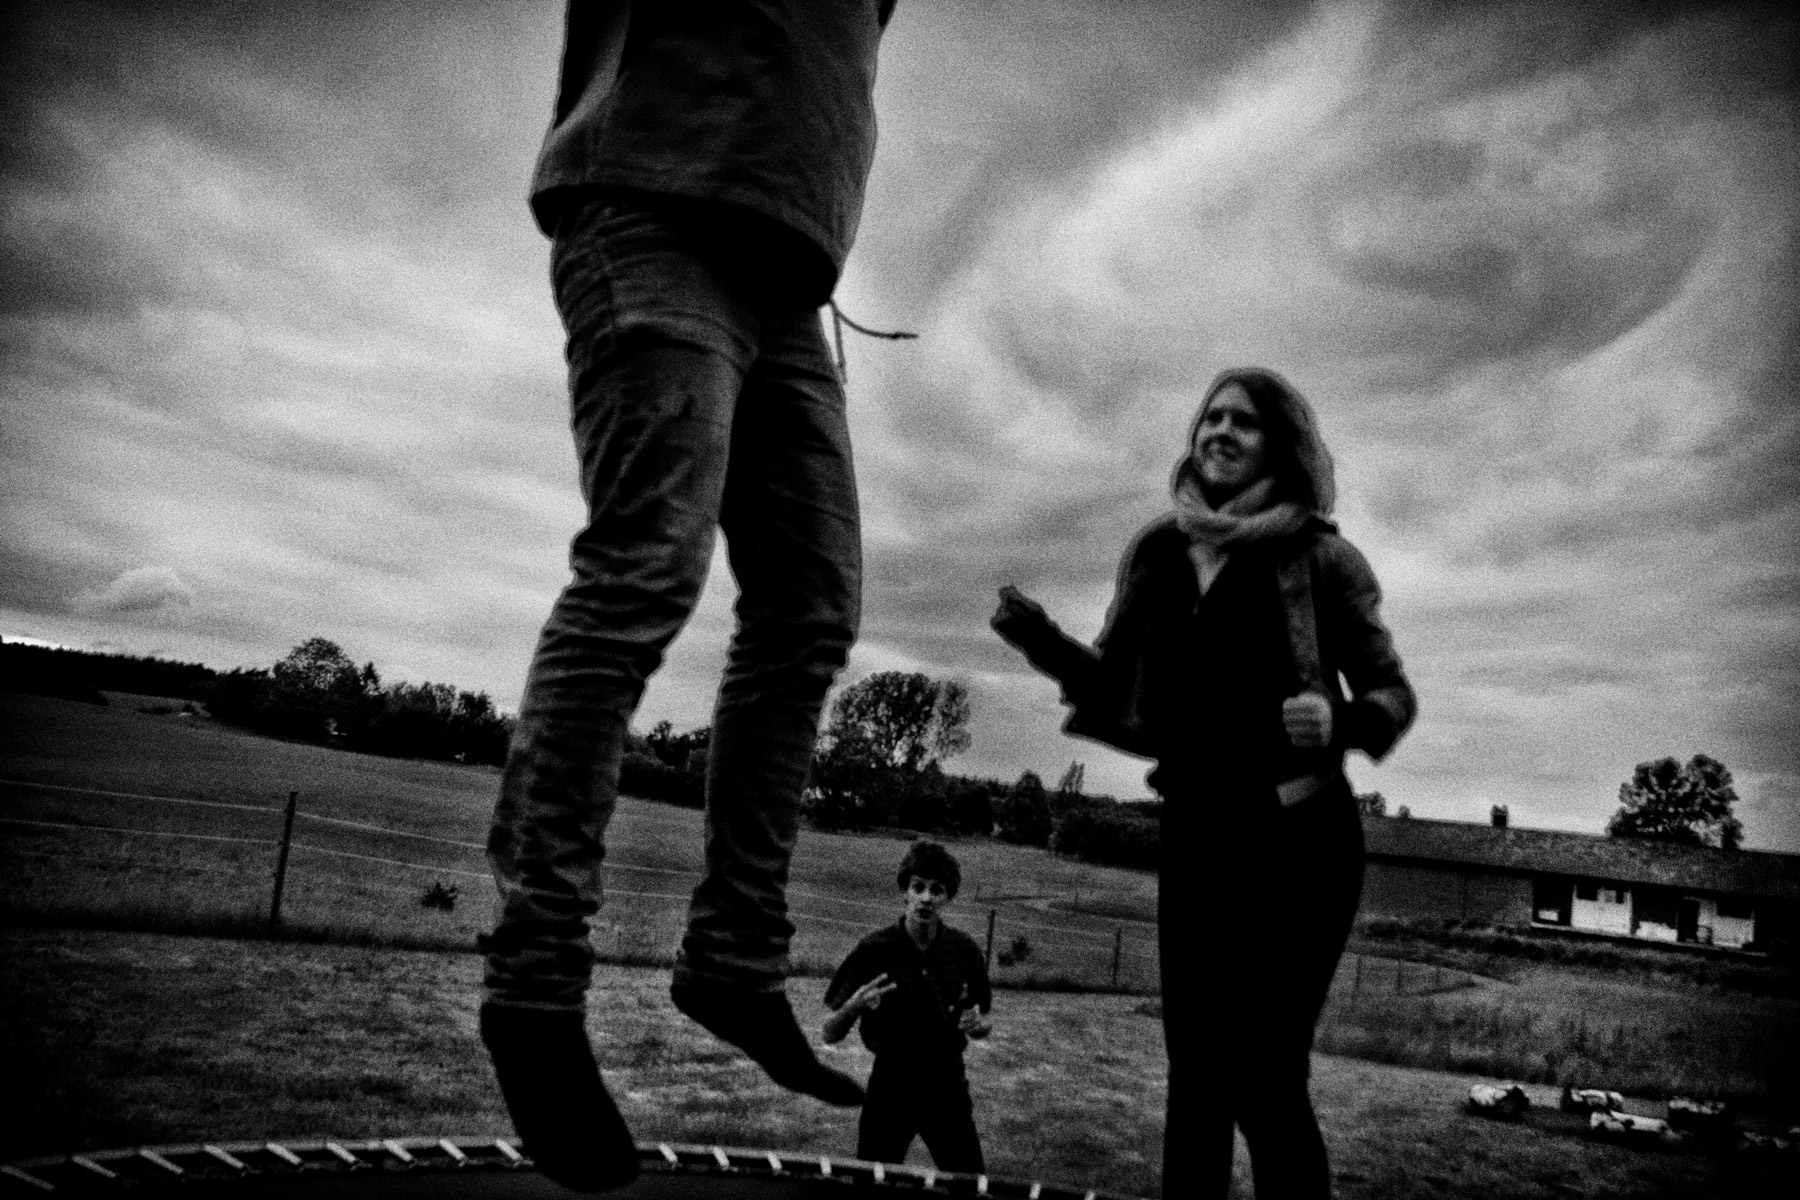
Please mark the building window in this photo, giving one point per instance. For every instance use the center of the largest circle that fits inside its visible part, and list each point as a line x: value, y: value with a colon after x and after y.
x: 1550, y: 900
x: 1736, y: 907
x: 1586, y: 891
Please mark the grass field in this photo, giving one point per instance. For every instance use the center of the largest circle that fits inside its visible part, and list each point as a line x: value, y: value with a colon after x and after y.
x: 148, y: 1038
x: 129, y: 1039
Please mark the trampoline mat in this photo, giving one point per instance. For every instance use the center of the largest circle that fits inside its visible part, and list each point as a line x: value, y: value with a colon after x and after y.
x: 481, y: 1169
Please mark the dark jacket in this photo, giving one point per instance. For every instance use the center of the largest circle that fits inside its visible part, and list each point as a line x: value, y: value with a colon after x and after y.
x: 1331, y: 606
x: 764, y: 107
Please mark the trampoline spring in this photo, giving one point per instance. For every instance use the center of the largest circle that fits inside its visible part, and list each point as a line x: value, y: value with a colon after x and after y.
x: 88, y: 1164
x: 398, y: 1151
x: 450, y: 1148
x: 155, y: 1159
x: 229, y: 1159
x: 720, y: 1157
x: 774, y: 1162
x: 506, y: 1148
x: 669, y: 1155
x: 284, y: 1154
x: 348, y: 1158
x: 27, y: 1178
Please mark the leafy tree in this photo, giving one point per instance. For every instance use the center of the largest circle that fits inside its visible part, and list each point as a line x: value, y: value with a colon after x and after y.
x: 901, y: 719
x: 1024, y: 815
x: 1673, y: 803
x: 319, y: 667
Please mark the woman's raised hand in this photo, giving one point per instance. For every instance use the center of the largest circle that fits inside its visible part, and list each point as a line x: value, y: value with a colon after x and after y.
x: 1015, y: 605
x: 1307, y: 718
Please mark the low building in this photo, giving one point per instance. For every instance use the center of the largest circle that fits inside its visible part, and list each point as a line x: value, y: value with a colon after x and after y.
x: 1622, y: 887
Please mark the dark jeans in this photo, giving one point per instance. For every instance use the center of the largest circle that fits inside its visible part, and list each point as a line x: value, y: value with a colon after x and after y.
x: 926, y: 1099
x: 1255, y: 903
x: 699, y: 402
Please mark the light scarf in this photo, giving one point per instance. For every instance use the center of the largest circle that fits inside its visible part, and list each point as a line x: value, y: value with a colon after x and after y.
x: 1246, y: 517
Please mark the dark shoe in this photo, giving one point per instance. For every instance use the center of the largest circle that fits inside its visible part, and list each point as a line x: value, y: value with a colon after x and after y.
x: 762, y: 1025
x: 568, y: 1123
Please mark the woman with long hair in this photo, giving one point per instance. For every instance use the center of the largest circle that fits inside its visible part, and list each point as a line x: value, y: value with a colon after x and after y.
x: 1244, y: 653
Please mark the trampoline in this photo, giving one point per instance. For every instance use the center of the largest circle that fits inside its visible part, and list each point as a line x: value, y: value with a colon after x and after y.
x: 482, y: 1169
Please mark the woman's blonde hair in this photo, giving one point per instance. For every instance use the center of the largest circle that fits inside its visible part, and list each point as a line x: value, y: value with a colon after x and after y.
x: 1296, y: 454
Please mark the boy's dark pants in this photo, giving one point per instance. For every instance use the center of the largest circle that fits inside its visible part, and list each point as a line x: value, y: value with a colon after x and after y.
x: 920, y: 1096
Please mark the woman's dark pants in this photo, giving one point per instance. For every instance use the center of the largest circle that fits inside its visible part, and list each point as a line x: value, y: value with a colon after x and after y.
x: 1255, y: 905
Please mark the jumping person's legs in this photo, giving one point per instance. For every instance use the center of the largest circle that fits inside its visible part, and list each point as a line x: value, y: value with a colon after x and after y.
x: 791, y: 530
x: 792, y: 534
x: 658, y: 350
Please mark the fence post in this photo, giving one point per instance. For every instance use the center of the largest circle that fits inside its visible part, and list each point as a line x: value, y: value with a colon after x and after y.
x: 287, y: 838
x: 1118, y: 950
x: 992, y: 913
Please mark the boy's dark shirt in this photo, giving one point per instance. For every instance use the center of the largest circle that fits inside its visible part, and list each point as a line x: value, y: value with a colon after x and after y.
x: 920, y: 1015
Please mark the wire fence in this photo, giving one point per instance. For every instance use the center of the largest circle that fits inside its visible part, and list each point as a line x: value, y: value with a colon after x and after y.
x: 154, y: 861
x: 176, y: 861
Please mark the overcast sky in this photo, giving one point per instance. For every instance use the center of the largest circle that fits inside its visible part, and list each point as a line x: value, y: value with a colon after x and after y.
x: 278, y: 357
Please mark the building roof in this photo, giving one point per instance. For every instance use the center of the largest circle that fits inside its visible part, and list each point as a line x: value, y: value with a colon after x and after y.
x: 1558, y: 852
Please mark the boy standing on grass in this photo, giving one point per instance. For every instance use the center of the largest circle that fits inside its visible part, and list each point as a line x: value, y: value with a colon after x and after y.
x: 921, y: 991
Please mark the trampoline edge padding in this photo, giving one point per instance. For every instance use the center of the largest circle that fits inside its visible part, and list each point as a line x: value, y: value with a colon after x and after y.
x: 464, y: 1168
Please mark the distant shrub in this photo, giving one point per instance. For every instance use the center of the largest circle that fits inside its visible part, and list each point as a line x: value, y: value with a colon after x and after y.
x: 439, y: 895
x: 1014, y: 954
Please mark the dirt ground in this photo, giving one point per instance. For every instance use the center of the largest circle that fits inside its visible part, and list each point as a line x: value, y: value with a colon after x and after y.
x: 139, y: 1039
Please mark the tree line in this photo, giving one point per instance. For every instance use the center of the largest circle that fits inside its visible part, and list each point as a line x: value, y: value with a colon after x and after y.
x: 878, y: 763
x: 316, y: 693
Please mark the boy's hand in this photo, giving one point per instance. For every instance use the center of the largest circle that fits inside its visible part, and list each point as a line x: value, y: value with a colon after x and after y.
x: 969, y: 1018
x: 1307, y: 719
x: 870, y: 995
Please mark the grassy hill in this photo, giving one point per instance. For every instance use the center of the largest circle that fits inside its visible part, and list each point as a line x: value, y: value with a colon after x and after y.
x: 372, y: 834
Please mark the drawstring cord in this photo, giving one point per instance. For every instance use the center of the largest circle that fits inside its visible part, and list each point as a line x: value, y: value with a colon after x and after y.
x: 839, y: 320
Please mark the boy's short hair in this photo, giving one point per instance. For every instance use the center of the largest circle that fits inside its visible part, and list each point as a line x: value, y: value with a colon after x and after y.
x: 929, y: 860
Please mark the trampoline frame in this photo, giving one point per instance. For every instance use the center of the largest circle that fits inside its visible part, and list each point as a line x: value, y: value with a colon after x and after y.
x: 161, y: 1167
